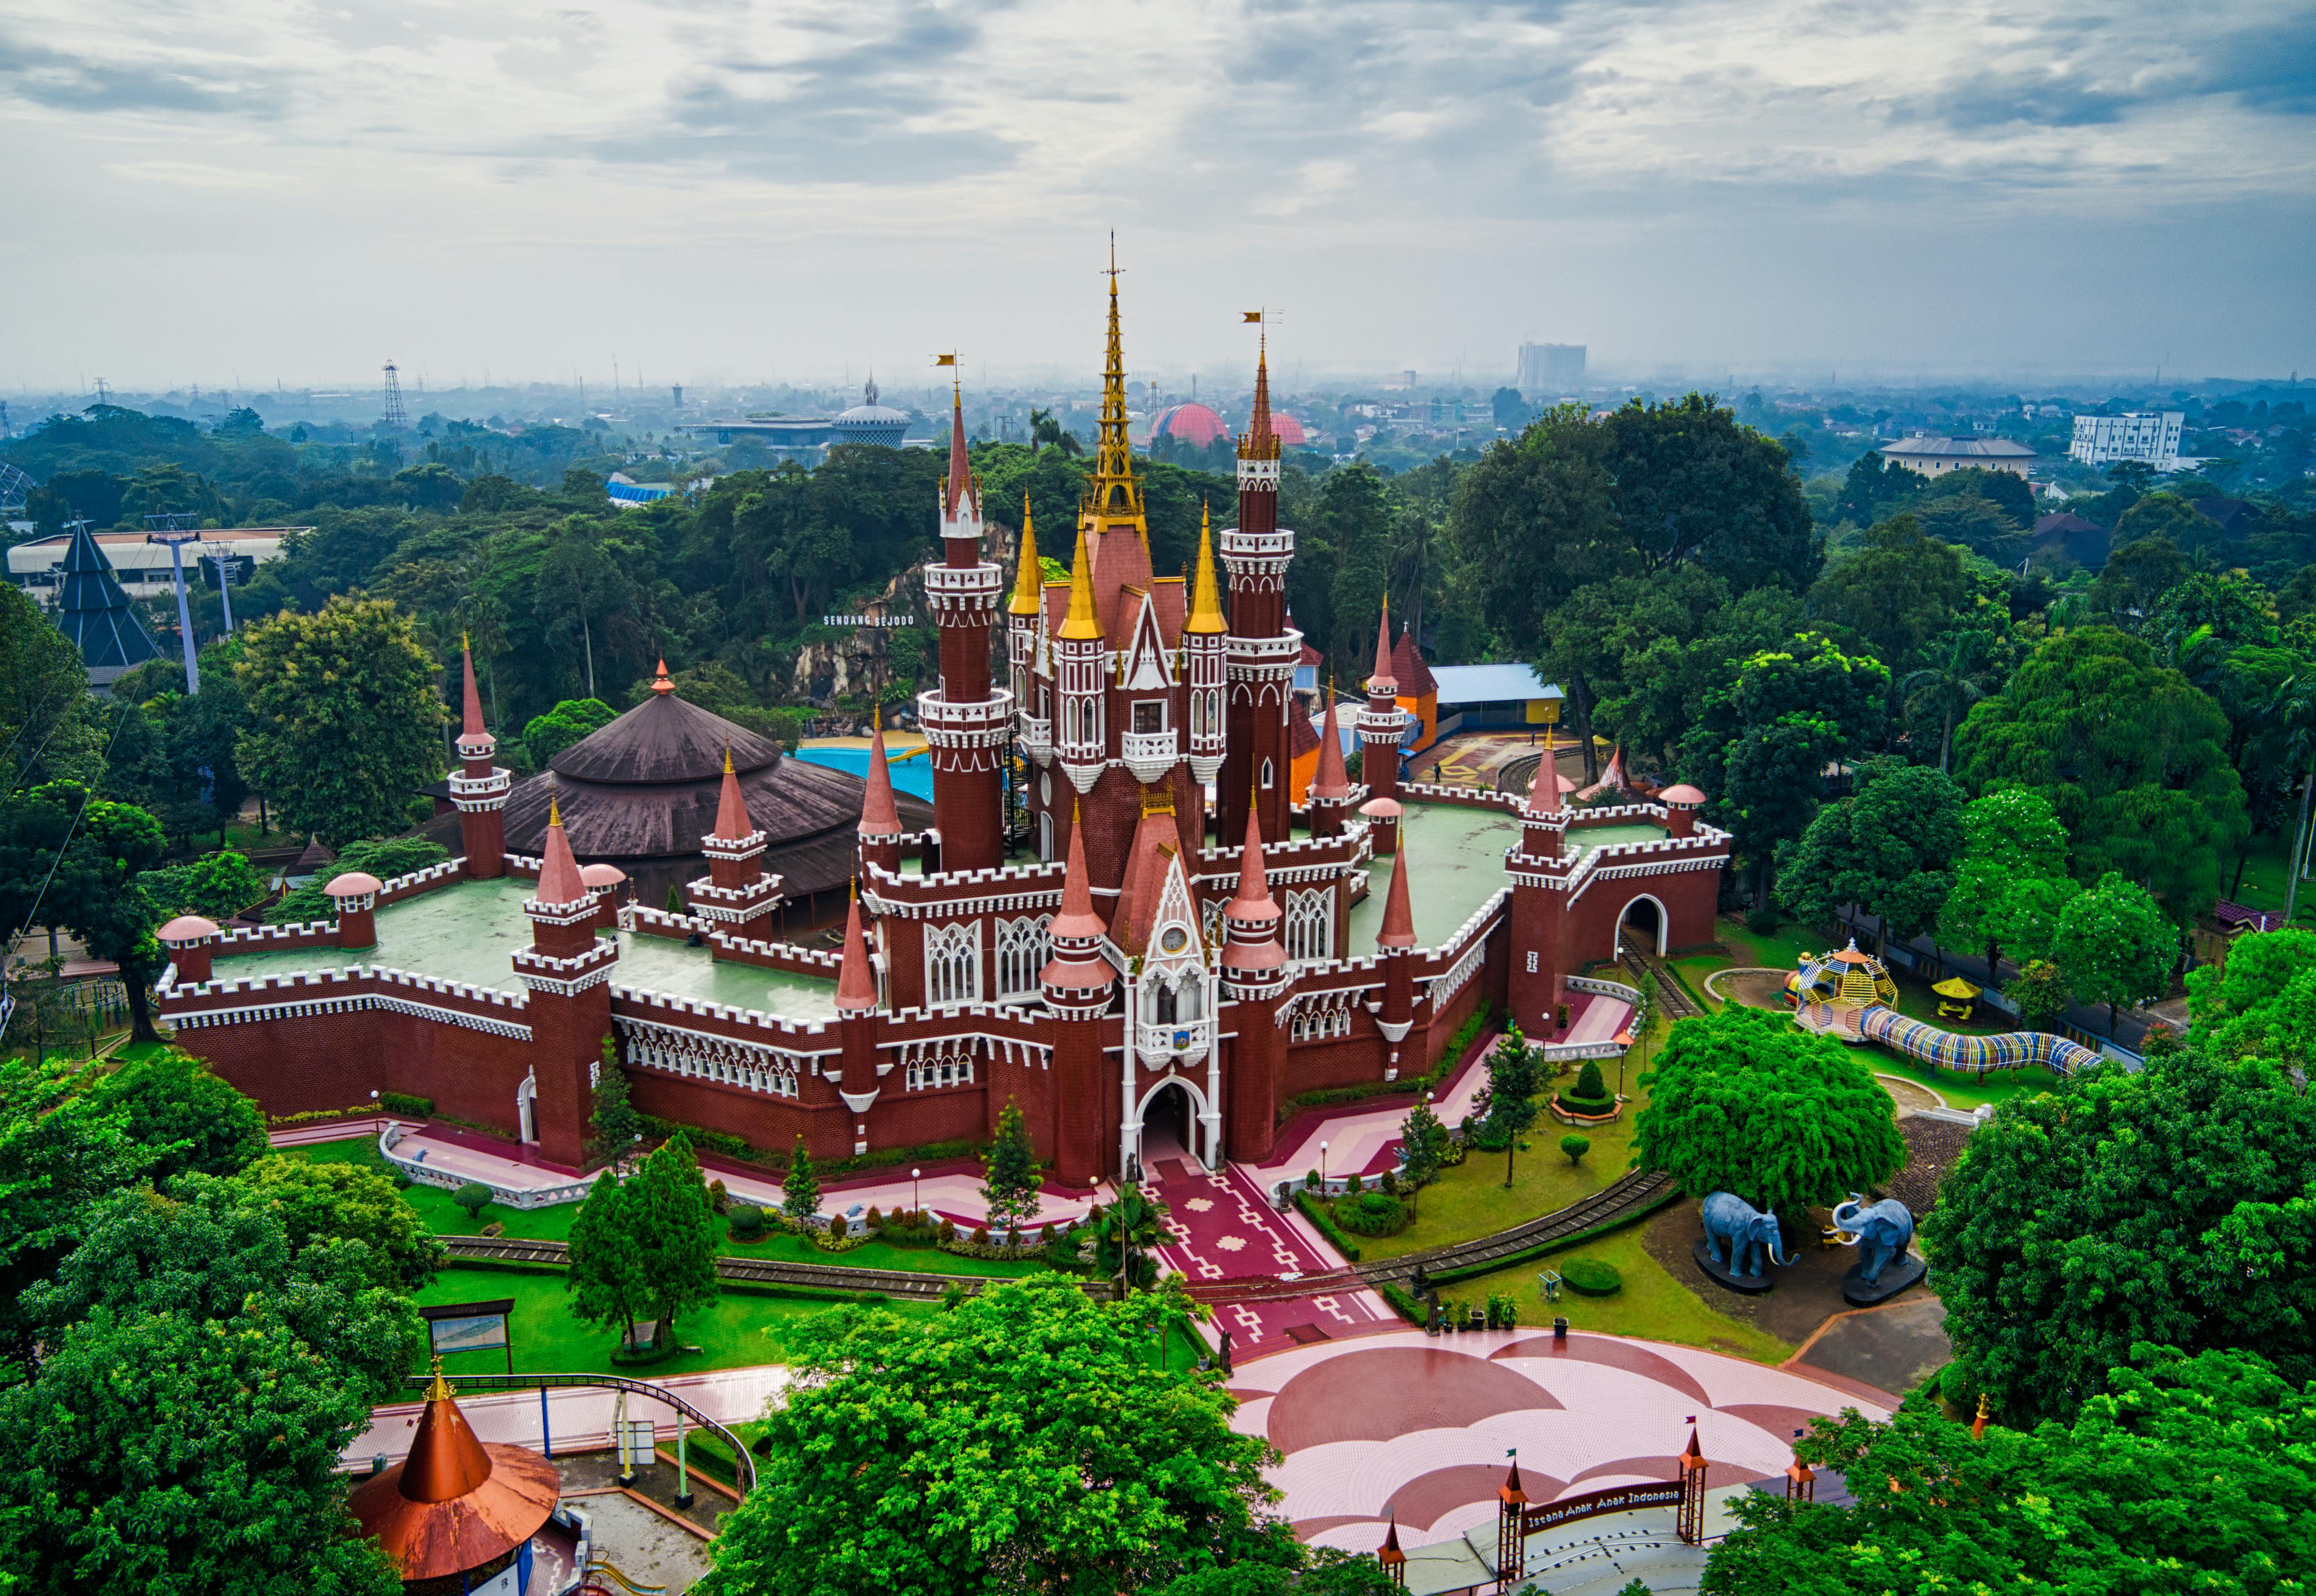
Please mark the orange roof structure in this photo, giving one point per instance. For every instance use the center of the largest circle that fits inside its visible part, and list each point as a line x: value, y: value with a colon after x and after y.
x: 1398, y: 918
x: 856, y: 988
x: 454, y: 1505
x: 558, y: 871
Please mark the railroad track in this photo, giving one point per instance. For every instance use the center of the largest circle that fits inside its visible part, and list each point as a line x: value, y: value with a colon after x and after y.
x: 754, y: 1272
x: 1628, y: 1199
x: 1672, y: 996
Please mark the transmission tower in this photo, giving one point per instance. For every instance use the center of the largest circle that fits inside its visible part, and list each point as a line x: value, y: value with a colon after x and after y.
x: 396, y: 419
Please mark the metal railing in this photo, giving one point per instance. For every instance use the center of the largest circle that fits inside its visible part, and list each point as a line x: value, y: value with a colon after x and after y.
x: 745, y: 1461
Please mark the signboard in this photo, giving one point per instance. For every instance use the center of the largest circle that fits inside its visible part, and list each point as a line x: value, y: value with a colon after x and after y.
x: 635, y: 1439
x: 471, y: 1327
x: 1616, y: 1499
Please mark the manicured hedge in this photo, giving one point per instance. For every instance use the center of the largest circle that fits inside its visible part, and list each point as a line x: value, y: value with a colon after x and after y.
x: 1590, y: 1277
x: 1316, y: 1212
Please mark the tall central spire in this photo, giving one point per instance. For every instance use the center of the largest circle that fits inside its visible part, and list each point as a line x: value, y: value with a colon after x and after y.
x: 1113, y: 496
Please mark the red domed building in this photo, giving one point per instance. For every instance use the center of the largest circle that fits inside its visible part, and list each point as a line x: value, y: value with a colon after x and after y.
x: 1191, y: 423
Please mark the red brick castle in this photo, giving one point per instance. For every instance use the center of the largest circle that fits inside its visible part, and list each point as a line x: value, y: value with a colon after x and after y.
x: 1149, y: 970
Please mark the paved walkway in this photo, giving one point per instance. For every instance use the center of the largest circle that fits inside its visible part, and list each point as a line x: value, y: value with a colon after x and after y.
x: 576, y: 1418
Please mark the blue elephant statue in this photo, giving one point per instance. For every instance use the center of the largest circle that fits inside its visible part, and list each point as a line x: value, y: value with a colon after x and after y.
x: 1881, y: 1230
x: 1737, y: 1235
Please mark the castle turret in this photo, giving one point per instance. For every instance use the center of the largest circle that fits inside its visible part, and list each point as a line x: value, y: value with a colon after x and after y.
x: 1025, y: 621
x: 880, y: 817
x: 1263, y: 649
x: 1396, y: 944
x: 568, y: 969
x: 1077, y: 982
x: 1204, y: 648
x: 1380, y: 728
x: 1080, y: 739
x: 479, y: 787
x: 192, y: 942
x: 353, y: 896
x: 736, y: 893
x: 1256, y: 975
x: 855, y: 1027
x: 1332, y: 793
x: 967, y: 720
x: 1538, y: 912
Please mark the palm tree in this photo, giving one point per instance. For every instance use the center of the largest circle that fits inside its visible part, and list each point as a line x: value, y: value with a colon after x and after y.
x: 1044, y: 429
x: 2293, y: 713
x: 1947, y: 688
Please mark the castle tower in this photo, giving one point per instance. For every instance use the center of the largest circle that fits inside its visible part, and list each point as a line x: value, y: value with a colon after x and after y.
x: 736, y: 893
x: 1080, y: 739
x: 480, y: 788
x: 1204, y: 648
x: 1332, y: 793
x: 967, y: 720
x: 1380, y: 728
x: 1263, y: 649
x: 1077, y: 983
x: 856, y: 1029
x: 1538, y: 910
x: 569, y: 969
x: 880, y: 817
x: 1025, y: 623
x: 1396, y: 944
x: 1256, y: 977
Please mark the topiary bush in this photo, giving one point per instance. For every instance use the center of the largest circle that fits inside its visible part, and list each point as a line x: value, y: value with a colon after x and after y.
x: 474, y: 1197
x: 748, y: 1220
x: 1372, y: 1213
x: 1590, y: 1277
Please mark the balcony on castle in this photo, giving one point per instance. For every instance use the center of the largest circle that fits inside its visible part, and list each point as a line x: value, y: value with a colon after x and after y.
x: 1185, y: 1038
x: 1037, y: 737
x: 1150, y: 754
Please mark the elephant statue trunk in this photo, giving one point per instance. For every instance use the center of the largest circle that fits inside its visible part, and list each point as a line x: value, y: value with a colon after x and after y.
x: 1881, y: 1229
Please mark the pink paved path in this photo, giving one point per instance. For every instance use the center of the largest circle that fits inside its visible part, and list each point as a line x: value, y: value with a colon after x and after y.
x: 1399, y: 1422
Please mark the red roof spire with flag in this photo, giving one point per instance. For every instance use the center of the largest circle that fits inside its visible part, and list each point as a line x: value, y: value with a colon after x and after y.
x: 731, y: 821
x: 1260, y: 442
x: 856, y: 988
x: 558, y: 872
x: 960, y: 494
x: 1398, y: 917
x: 471, y: 728
x: 1384, y: 683
x: 1331, y: 780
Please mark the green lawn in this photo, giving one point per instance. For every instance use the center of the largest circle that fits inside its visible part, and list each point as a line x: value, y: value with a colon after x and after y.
x: 1961, y: 1091
x: 1652, y: 1304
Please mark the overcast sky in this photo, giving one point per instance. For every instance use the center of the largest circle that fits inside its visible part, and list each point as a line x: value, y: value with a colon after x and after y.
x: 246, y: 190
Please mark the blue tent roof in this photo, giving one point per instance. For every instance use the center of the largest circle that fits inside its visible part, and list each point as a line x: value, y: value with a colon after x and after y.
x: 1490, y: 684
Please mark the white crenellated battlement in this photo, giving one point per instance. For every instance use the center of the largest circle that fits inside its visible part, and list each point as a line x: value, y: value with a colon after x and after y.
x: 249, y: 938
x: 797, y: 959
x: 650, y: 922
x: 1467, y: 797
x: 446, y: 873
x: 660, y: 1002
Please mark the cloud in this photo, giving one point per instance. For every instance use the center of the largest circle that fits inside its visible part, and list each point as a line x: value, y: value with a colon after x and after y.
x: 180, y: 83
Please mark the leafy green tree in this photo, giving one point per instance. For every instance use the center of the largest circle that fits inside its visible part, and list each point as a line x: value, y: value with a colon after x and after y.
x: 2261, y: 1003
x: 1744, y: 1101
x: 2039, y: 992
x: 2134, y: 579
x: 800, y: 1187
x: 346, y: 715
x: 1875, y: 488
x: 191, y: 1119
x: 1010, y: 1176
x: 2013, y: 848
x: 1125, y: 1234
x: 385, y: 858
x: 42, y: 681
x: 1979, y: 524
x: 1514, y: 1079
x: 550, y: 733
x: 2192, y: 1474
x: 1691, y: 484
x: 1954, y: 678
x: 1535, y: 518
x: 1890, y: 850
x: 1898, y: 592
x: 63, y: 1145
x: 613, y: 1117
x: 472, y: 1199
x: 2116, y: 945
x: 1422, y: 1144
x: 217, y: 886
x: 355, y: 1204
x: 2170, y: 1206
x: 672, y: 1216
x: 608, y: 1268
x: 2130, y: 756
x: 1576, y: 1146
x: 73, y: 859
x: 1323, y: 1570
x: 1020, y: 1441
x: 2011, y: 494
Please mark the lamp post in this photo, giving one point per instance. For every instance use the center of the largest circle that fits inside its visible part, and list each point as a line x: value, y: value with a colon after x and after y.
x: 914, y: 1206
x: 1322, y: 1169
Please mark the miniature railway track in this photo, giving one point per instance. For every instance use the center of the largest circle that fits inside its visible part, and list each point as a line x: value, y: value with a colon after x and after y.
x: 1628, y: 1199
x: 1672, y: 996
x: 750, y: 1272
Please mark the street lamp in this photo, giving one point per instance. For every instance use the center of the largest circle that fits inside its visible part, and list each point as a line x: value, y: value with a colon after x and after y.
x: 914, y: 1206
x: 1322, y: 1166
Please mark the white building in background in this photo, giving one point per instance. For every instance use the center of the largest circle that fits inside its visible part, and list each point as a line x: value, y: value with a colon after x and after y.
x: 2149, y: 435
x: 1550, y: 370
x: 143, y: 569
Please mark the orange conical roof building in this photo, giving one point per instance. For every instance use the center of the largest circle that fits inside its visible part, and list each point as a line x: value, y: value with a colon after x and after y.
x: 456, y: 1508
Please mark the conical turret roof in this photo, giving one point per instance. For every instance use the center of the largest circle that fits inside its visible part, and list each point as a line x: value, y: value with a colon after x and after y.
x: 94, y: 614
x: 455, y: 1504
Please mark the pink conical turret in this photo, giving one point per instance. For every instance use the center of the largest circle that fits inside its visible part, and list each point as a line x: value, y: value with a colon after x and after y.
x: 560, y: 884
x: 478, y: 787
x: 1385, y: 678
x: 880, y: 817
x: 1398, y: 918
x: 1077, y: 920
x: 1331, y: 782
x: 1252, y: 913
x: 731, y: 823
x: 471, y: 729
x: 855, y: 985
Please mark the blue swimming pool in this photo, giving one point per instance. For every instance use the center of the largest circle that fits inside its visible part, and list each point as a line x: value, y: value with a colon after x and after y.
x: 912, y: 776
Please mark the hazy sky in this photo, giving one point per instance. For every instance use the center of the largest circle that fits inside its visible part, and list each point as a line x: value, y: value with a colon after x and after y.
x: 251, y: 189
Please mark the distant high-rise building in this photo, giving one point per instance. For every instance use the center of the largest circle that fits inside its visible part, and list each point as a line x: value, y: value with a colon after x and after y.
x: 2141, y: 435
x: 1550, y: 369
x: 678, y: 391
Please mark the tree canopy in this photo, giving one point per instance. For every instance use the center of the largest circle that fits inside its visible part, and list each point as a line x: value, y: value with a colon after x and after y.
x: 1890, y: 850
x: 1023, y: 1441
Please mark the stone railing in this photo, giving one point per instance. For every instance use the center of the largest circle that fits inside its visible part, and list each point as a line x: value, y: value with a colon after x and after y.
x: 512, y: 1197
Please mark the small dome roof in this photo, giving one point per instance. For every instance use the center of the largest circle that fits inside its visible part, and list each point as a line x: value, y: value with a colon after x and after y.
x: 871, y: 422
x: 1682, y: 794
x: 1383, y: 808
x: 601, y: 875
x: 187, y: 928
x: 1194, y: 424
x: 1287, y: 429
x: 352, y: 884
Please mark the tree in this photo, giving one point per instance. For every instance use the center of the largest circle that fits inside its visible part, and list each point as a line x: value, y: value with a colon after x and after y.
x: 1423, y: 1144
x: 43, y: 683
x: 607, y: 1265
x: 472, y: 1199
x: 617, y: 1126
x: 1021, y: 1442
x: 73, y: 858
x: 217, y: 886
x: 671, y: 1218
x: 2116, y: 945
x: 346, y: 718
x: 2194, y: 1475
x: 1890, y: 850
x: 63, y: 1146
x: 2262, y: 1001
x: 550, y: 733
x: 2039, y: 992
x: 1302, y: 1571
x: 1954, y: 680
x: 1125, y: 1235
x: 191, y: 1120
x: 1744, y: 1101
x: 1009, y: 1173
x: 353, y: 1204
x: 385, y: 858
x: 1691, y: 484
x: 2012, y: 843
x: 2171, y: 1206
x: 2137, y: 575
x: 1513, y: 1080
x: 800, y: 1188
x: 1897, y: 593
x: 2130, y: 756
x: 1535, y: 518
x: 1576, y: 1146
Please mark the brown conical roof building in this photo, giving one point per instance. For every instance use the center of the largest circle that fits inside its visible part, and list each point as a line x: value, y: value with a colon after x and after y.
x: 455, y: 1506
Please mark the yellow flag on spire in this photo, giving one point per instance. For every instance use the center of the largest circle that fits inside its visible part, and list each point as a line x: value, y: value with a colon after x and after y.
x: 1252, y: 315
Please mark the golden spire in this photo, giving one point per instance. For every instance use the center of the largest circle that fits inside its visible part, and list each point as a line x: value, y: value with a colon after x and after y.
x: 1028, y: 581
x: 1082, y: 621
x: 727, y: 759
x: 1205, y: 595
x: 1114, y: 497
x: 439, y: 1391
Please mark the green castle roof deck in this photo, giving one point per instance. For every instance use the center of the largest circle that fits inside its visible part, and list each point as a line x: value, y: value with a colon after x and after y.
x: 470, y: 932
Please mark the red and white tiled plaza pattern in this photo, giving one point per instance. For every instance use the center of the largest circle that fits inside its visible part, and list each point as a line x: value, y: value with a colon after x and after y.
x: 1401, y: 1423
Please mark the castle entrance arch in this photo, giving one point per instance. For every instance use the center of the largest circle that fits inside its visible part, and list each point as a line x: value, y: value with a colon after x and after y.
x: 1167, y: 1125
x: 1645, y: 921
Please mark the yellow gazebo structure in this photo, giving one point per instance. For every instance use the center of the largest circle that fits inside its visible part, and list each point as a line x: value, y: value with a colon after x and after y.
x: 1957, y: 998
